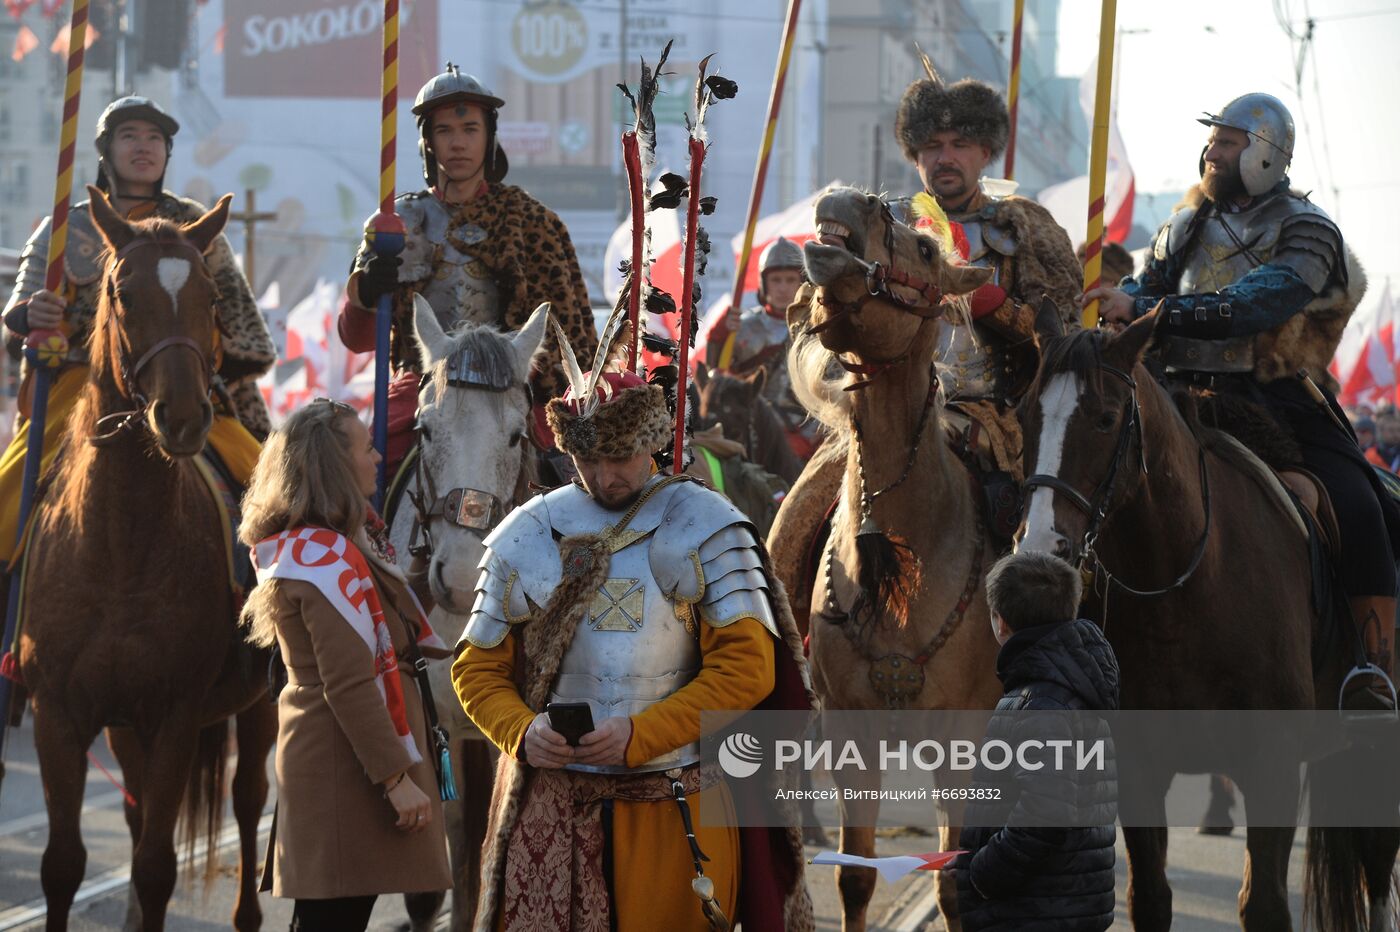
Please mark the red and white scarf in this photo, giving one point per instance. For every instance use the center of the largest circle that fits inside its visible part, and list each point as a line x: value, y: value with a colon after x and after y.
x: 335, y: 566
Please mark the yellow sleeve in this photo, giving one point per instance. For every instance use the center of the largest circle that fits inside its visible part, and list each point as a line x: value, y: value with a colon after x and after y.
x: 736, y: 673
x: 484, y: 678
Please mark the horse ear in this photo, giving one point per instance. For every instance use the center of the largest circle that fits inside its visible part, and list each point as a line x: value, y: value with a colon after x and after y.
x: 526, y: 341
x: 1129, y: 346
x: 116, y: 231
x: 432, y: 342
x: 961, y: 279
x: 203, y: 231
x: 1048, y: 324
x: 702, y: 376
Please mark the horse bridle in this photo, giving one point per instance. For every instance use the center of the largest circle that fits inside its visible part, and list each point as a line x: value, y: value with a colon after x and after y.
x: 470, y: 509
x: 130, y: 385
x: 1096, y: 508
x: 878, y: 278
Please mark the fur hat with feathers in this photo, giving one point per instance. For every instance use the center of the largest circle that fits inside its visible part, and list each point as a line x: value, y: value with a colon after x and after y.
x: 973, y: 108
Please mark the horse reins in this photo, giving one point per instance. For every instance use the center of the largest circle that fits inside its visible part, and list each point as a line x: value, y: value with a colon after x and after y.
x: 1097, y: 507
x: 130, y: 385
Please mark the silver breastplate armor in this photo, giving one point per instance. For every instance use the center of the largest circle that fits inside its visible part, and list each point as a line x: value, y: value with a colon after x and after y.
x: 459, y: 287
x: 629, y: 652
x: 694, y: 559
x: 1227, y: 247
x: 968, y: 365
x: 758, y: 331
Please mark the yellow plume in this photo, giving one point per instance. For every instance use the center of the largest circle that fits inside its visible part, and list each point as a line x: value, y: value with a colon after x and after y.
x: 926, y: 208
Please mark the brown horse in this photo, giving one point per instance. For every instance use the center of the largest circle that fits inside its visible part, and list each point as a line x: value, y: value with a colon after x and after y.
x: 131, y: 619
x: 1172, y: 516
x: 898, y: 615
x: 737, y: 404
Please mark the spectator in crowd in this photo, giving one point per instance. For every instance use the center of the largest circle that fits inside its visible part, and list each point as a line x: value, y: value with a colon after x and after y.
x: 358, y: 810
x: 1025, y: 867
x: 1387, y: 447
x: 1365, y: 431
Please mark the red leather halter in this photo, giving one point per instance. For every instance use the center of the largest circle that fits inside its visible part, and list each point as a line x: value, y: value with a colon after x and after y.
x: 878, y: 278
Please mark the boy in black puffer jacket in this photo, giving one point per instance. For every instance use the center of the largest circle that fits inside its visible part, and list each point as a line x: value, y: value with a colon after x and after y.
x: 1025, y: 870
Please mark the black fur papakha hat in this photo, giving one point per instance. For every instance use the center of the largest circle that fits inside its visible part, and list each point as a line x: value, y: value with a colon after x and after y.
x: 973, y: 108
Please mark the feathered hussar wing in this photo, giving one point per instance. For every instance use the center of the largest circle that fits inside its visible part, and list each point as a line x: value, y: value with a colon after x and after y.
x: 570, y: 361
x: 606, y: 338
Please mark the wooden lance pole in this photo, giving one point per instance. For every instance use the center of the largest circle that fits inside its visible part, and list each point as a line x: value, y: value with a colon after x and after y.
x: 725, y: 358
x: 45, y: 351
x: 1098, y: 161
x: 384, y: 232
x: 1013, y: 89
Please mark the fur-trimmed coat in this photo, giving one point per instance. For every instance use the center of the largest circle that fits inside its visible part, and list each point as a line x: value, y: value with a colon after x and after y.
x: 1044, y: 264
x: 527, y: 252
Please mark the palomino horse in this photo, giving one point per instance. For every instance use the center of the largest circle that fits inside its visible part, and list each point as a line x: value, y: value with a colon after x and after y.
x: 737, y: 404
x: 473, y: 464
x: 1169, y: 514
x: 130, y: 611
x: 898, y: 615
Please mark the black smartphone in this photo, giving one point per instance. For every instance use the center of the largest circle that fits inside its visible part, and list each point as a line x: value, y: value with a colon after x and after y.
x: 573, y: 720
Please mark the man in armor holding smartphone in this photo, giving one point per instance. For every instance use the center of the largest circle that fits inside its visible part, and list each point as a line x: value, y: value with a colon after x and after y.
x: 643, y: 599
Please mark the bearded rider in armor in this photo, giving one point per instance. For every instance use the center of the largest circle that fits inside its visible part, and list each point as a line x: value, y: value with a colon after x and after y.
x: 1255, y: 287
x: 478, y: 250
x: 134, y: 140
x: 951, y: 134
x: 647, y: 599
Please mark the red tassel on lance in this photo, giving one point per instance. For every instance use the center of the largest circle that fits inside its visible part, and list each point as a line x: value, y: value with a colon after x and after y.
x: 9, y: 668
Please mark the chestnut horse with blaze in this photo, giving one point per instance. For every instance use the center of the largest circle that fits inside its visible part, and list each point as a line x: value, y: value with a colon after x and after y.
x: 131, y: 617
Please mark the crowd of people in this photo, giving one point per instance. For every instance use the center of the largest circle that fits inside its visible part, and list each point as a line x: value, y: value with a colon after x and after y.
x: 586, y: 659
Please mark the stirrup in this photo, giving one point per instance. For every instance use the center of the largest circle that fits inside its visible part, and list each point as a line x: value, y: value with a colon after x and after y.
x: 1369, y: 716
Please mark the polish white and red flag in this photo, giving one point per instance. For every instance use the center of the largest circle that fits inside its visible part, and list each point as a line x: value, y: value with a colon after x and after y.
x: 1367, y: 358
x: 1068, y: 201
x: 894, y: 867
x: 315, y: 363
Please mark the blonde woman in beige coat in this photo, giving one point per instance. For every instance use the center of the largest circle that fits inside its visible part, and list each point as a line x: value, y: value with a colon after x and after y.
x: 358, y: 811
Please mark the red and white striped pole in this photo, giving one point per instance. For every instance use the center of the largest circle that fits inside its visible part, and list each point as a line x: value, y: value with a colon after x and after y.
x: 384, y: 232
x: 46, y: 350
x: 725, y: 357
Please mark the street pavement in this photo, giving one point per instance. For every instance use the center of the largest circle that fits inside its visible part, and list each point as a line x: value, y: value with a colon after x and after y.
x: 1204, y: 871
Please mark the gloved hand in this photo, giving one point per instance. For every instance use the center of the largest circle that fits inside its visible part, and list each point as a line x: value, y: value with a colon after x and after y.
x: 379, y: 277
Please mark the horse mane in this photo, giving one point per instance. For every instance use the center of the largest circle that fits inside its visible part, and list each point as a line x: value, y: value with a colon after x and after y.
x: 490, y: 350
x: 493, y: 355
x: 818, y: 388
x: 1079, y: 354
x: 74, y: 467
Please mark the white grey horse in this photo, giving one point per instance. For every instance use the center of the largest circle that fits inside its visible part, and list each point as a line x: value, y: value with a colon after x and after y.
x: 472, y: 465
